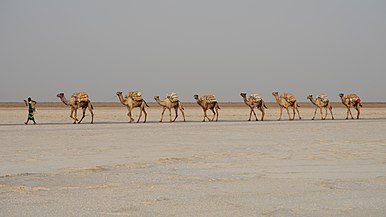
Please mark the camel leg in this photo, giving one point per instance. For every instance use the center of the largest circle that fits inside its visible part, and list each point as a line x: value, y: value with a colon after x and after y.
x: 262, y: 113
x: 254, y: 113
x: 183, y: 113
x: 140, y: 113
x: 92, y: 113
x: 315, y: 113
x: 347, y: 109
x: 250, y: 114
x: 358, y: 110
x: 170, y: 114
x: 75, y: 119
x: 144, y: 111
x: 325, y: 116
x: 205, y: 116
x: 83, y: 114
x: 162, y: 114
x: 181, y: 108
x: 293, y: 111
x: 281, y: 112
x: 72, y: 112
x: 321, y: 113
x: 129, y: 114
x: 176, y: 111
x: 350, y: 113
x: 214, y: 114
x: 330, y: 107
x: 289, y: 116
x: 297, y: 110
x: 142, y: 108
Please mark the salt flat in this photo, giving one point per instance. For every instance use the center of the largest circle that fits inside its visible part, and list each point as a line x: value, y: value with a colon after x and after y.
x: 229, y: 168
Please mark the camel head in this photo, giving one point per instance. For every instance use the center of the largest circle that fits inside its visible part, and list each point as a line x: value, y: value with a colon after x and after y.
x: 341, y: 95
x: 275, y: 93
x: 60, y: 95
x: 196, y: 97
x: 309, y: 96
x: 243, y: 94
x: 156, y: 97
x: 119, y: 93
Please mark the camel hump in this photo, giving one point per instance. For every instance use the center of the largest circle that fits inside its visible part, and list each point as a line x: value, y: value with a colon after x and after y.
x: 209, y: 98
x: 80, y: 96
x: 289, y: 97
x: 172, y: 96
x: 135, y: 95
x: 255, y: 97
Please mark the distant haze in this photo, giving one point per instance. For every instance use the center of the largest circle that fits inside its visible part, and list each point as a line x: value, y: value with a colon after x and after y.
x: 192, y: 47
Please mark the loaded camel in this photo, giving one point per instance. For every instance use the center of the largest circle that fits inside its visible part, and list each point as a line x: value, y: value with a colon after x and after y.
x: 170, y: 101
x: 351, y: 100
x: 208, y: 102
x: 287, y: 100
x: 254, y: 101
x: 321, y: 102
x: 78, y: 100
x: 133, y: 100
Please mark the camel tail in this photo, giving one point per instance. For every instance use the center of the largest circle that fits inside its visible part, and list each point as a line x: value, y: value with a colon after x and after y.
x: 218, y: 106
x: 180, y: 105
x: 89, y: 103
x: 265, y: 105
x: 146, y: 103
x: 297, y: 104
x: 360, y: 104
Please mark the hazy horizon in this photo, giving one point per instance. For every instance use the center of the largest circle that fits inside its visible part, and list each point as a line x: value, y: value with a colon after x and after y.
x: 192, y: 47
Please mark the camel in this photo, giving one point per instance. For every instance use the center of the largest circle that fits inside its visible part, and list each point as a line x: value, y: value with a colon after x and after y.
x: 321, y: 102
x: 208, y: 102
x: 78, y: 100
x: 254, y: 101
x: 287, y: 100
x: 169, y: 103
x: 130, y: 103
x: 351, y: 100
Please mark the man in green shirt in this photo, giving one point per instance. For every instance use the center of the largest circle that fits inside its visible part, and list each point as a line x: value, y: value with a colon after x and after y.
x: 31, y: 110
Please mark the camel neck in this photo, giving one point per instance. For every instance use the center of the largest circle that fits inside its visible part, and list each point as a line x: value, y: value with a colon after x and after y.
x: 277, y: 99
x: 313, y: 101
x: 161, y: 103
x: 245, y: 100
x: 121, y: 99
x: 64, y: 100
x: 200, y: 102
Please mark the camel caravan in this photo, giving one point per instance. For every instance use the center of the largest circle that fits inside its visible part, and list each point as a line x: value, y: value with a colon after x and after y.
x: 286, y: 100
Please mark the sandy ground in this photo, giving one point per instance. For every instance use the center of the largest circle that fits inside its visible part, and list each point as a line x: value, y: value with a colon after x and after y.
x: 229, y: 168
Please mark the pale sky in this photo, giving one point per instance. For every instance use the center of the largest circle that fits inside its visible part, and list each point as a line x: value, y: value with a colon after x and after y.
x: 192, y: 47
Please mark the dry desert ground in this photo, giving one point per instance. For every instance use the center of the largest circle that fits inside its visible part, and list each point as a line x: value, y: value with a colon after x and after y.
x: 230, y: 168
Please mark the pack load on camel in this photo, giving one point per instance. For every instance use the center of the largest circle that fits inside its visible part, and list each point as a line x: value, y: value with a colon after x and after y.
x: 289, y: 97
x: 255, y: 97
x: 172, y: 96
x: 208, y: 98
x: 80, y: 96
x: 135, y: 95
x: 323, y: 97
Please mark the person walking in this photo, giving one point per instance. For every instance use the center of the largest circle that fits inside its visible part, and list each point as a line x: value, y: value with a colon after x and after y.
x: 31, y: 110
